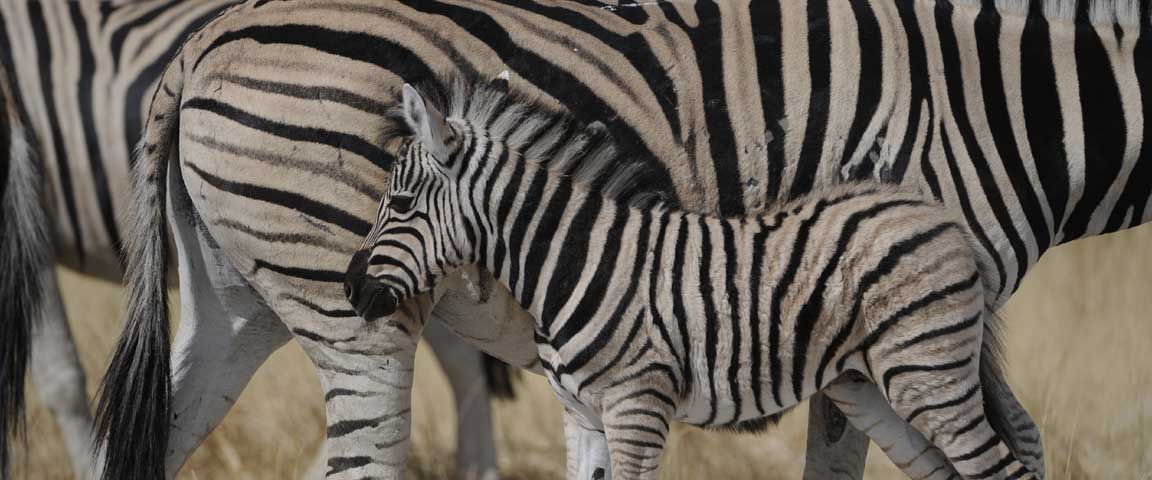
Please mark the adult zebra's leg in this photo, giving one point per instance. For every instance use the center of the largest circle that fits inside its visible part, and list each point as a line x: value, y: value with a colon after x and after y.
x: 367, y: 382
x: 226, y: 332
x: 587, y: 449
x: 59, y: 379
x: 864, y: 406
x: 463, y: 365
x: 836, y: 449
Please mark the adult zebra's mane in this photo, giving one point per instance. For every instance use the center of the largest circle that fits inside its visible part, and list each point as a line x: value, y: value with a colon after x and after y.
x: 586, y: 152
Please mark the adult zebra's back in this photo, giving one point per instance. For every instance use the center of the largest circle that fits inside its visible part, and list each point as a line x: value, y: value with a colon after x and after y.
x: 77, y: 79
x: 1010, y: 111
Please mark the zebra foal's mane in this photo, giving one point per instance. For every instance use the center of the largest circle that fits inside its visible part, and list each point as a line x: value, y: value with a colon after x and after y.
x: 563, y: 145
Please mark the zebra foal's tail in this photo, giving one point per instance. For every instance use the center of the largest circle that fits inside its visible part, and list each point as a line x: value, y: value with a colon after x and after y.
x: 132, y: 415
x: 25, y: 251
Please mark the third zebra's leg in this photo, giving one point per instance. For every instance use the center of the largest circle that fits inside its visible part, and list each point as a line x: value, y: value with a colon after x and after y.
x: 463, y: 365
x: 836, y: 449
x: 864, y: 406
x: 59, y: 378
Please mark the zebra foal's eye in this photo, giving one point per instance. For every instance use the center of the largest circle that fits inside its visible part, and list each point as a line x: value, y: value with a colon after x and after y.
x: 401, y: 203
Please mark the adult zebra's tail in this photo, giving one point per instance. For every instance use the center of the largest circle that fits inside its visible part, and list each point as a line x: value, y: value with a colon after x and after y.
x: 25, y: 251
x: 132, y: 416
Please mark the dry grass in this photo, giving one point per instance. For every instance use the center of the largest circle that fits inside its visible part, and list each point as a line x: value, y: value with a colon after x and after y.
x: 1079, y: 336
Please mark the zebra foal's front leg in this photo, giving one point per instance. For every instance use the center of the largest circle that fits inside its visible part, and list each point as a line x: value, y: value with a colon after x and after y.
x: 636, y: 425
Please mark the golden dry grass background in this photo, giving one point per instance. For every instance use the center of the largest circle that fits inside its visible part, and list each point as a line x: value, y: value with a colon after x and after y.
x: 1080, y: 358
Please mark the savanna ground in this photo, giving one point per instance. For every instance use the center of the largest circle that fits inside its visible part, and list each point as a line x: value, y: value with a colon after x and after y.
x: 1080, y: 359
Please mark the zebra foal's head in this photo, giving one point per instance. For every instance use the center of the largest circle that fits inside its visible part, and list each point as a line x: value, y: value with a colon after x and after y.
x: 422, y: 232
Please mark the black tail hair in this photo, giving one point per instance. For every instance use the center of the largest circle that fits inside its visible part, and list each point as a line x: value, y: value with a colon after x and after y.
x: 133, y: 412
x: 25, y: 251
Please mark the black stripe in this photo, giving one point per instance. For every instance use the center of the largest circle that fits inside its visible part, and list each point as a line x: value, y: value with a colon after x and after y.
x: 870, y: 79
x: 356, y: 46
x: 1136, y: 194
x: 678, y: 296
x: 754, y: 292
x: 711, y: 321
x: 902, y: 369
x: 735, y: 363
x: 314, y: 275
x: 942, y: 331
x: 335, y: 95
x: 1000, y: 126
x: 84, y: 98
x: 654, y: 284
x: 919, y: 91
x: 1043, y: 116
x: 709, y: 48
x: 964, y: 397
x: 341, y: 464
x: 820, y: 69
x: 1105, y: 128
x: 766, y: 31
x: 338, y: 140
x: 986, y: 181
x: 44, y: 63
x: 290, y: 200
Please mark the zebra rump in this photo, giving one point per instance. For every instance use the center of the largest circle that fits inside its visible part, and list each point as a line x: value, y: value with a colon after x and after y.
x: 24, y: 253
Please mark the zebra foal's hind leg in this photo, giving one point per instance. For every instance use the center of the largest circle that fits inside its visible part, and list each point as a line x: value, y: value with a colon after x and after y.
x: 934, y: 381
x: 59, y: 379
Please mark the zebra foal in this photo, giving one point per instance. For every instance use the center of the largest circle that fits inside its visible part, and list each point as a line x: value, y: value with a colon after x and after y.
x: 884, y: 282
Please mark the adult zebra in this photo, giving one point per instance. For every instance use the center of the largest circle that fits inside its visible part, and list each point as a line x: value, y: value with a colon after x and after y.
x: 928, y: 93
x: 81, y: 73
x: 635, y: 324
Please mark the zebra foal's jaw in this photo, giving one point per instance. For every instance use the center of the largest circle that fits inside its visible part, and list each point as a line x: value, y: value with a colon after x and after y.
x: 370, y: 298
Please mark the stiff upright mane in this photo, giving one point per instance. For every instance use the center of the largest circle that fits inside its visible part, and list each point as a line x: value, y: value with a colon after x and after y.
x: 563, y: 144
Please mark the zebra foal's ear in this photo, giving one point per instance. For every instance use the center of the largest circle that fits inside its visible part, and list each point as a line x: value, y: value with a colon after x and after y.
x: 428, y: 124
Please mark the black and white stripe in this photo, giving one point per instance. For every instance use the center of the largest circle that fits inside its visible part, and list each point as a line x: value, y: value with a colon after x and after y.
x: 740, y: 106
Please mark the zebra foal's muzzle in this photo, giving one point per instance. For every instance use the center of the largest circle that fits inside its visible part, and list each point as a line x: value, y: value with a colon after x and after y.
x: 370, y: 298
